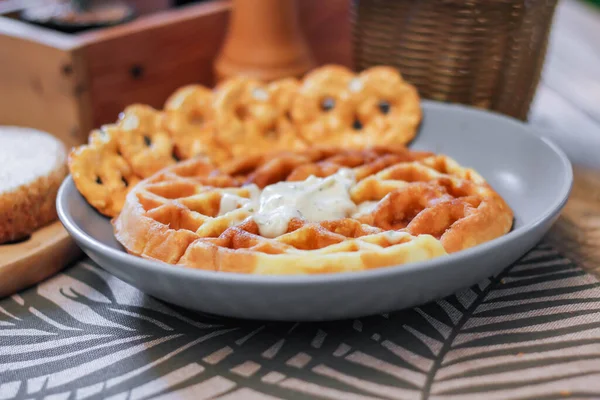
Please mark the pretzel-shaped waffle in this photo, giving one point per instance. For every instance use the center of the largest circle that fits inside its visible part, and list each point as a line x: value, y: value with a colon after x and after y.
x: 323, y: 108
x: 375, y: 107
x: 387, y: 107
x: 252, y: 117
x: 143, y: 141
x: 189, y: 118
x: 410, y: 206
x: 100, y: 173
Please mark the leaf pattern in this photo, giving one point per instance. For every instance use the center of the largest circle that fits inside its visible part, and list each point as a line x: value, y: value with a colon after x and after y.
x: 531, y: 332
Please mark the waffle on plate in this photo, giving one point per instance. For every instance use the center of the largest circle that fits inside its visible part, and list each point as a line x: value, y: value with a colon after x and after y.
x: 295, y: 176
x: 308, y: 212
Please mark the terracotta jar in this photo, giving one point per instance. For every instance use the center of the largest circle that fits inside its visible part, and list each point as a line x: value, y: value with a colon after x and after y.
x: 264, y: 41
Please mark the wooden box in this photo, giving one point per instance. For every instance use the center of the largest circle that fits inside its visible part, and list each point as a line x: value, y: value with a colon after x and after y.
x: 67, y: 84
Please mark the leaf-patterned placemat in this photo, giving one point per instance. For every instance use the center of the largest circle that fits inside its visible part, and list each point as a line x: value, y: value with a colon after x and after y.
x: 531, y: 332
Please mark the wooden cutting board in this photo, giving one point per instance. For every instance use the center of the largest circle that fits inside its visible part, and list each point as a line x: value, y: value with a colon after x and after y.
x: 28, y: 262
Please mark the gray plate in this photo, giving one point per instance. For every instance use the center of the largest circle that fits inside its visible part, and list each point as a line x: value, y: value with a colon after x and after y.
x: 532, y: 174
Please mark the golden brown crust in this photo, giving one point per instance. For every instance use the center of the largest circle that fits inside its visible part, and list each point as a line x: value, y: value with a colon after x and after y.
x: 427, y: 206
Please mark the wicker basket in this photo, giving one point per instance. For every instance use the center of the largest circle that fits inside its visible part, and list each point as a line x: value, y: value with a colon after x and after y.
x: 485, y: 53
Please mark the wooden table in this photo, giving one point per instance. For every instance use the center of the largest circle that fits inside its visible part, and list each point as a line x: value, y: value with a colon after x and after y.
x: 567, y: 110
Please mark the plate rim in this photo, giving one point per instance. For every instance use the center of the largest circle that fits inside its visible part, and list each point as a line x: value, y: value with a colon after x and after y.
x: 209, y: 276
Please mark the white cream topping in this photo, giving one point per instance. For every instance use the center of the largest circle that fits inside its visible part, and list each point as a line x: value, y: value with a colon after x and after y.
x: 365, y: 208
x: 230, y: 201
x: 314, y: 199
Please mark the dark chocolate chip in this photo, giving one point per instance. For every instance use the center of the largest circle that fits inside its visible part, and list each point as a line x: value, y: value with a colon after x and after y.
x: 147, y: 141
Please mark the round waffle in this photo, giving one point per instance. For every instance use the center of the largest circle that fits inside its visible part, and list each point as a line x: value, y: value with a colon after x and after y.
x: 402, y: 207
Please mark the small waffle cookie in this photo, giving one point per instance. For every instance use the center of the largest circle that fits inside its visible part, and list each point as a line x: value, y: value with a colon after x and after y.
x: 100, y: 172
x: 189, y: 119
x: 402, y: 207
x: 375, y: 107
x: 252, y: 117
x: 143, y: 140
